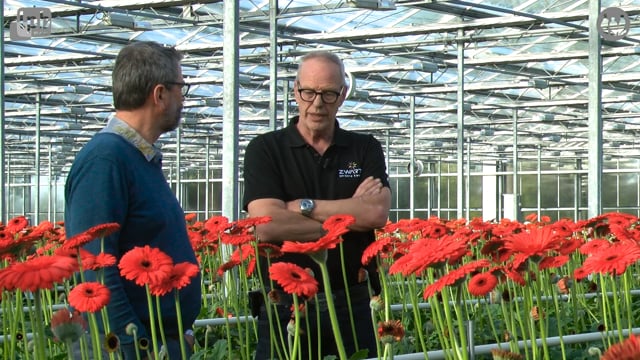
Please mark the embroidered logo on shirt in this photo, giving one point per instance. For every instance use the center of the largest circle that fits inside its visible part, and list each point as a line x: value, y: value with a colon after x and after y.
x: 353, y: 170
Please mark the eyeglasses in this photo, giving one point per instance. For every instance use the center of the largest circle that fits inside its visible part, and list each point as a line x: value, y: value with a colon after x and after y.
x: 328, y: 96
x: 185, y: 87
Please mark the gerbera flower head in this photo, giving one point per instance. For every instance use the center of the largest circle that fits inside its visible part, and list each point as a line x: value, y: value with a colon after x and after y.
x: 593, y: 246
x: 217, y: 225
x: 537, y: 241
x: 293, y: 279
x: 390, y: 331
x: 190, y: 217
x: 381, y: 244
x: 339, y: 222
x: 89, y: 297
x: 482, y: 284
x: 103, y: 260
x: 628, y: 349
x: 67, y: 326
x: 77, y: 241
x: 454, y: 276
x: 103, y: 230
x: 328, y: 241
x: 145, y: 265
x: 179, y: 277
x: 17, y: 224
x: 37, y: 273
x: 613, y: 260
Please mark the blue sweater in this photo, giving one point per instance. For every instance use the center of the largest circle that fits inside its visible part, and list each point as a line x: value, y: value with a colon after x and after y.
x: 111, y: 181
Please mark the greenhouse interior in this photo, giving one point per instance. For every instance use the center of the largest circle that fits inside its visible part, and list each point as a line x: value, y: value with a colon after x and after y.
x: 508, y: 124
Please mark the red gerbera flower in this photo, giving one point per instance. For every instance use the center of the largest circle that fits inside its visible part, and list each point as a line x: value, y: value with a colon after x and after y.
x: 77, y: 240
x: 42, y: 228
x: 269, y: 250
x: 453, y: 276
x: 614, y: 259
x: 179, y: 277
x: 293, y: 279
x: 339, y: 222
x: 9, y: 244
x: 374, y: 248
x: 236, y: 239
x: 145, y: 265
x: 252, y: 221
x: 16, y: 224
x: 535, y: 242
x: 427, y: 252
x: 594, y: 245
x: 568, y: 246
x: 189, y: 217
x: 103, y: 230
x: 82, y: 257
x: 552, y: 262
x: 329, y: 241
x: 37, y: 273
x: 103, y: 260
x: 89, y: 297
x: 217, y: 224
x: 481, y: 284
x: 628, y: 349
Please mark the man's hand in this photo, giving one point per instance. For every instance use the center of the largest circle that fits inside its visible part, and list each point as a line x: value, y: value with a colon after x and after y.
x: 369, y: 186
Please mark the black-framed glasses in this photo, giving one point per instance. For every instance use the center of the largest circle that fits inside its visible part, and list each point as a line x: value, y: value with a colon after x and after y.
x: 184, y: 86
x: 327, y: 96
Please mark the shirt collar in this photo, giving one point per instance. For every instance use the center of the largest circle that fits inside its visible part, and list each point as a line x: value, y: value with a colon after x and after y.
x: 119, y: 127
x: 339, y: 134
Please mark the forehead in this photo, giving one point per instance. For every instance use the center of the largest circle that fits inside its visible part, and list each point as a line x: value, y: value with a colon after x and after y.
x: 320, y: 71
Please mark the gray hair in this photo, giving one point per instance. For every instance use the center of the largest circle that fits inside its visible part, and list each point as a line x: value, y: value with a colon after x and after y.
x: 323, y: 54
x: 139, y: 68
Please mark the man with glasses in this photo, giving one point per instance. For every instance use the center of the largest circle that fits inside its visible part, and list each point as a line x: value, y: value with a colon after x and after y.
x: 300, y: 176
x: 117, y: 178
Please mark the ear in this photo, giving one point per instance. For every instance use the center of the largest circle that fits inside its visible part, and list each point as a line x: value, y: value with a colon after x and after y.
x: 158, y: 93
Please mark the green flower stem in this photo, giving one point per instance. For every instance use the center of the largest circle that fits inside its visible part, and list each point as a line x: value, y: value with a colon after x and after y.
x: 40, y: 339
x: 348, y: 296
x: 524, y: 323
x: 152, y: 323
x: 69, y: 345
x: 449, y: 325
x: 627, y: 299
x: 556, y: 306
x: 95, y: 336
x: 332, y: 310
x: 616, y: 308
x: 494, y: 331
x: 269, y: 308
x: 542, y: 323
x: 163, y: 336
x: 183, y: 349
x: 296, y: 335
x: 417, y: 317
x: 529, y: 305
x: 605, y: 310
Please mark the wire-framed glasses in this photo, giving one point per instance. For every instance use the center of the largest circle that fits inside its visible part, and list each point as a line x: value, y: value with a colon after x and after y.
x: 184, y: 86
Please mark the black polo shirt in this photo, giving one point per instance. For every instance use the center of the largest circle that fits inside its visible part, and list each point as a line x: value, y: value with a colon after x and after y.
x: 281, y: 165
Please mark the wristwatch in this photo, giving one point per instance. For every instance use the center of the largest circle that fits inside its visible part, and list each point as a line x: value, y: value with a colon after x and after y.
x: 307, y: 206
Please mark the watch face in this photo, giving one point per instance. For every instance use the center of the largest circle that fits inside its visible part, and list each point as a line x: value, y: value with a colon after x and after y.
x: 306, y: 206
